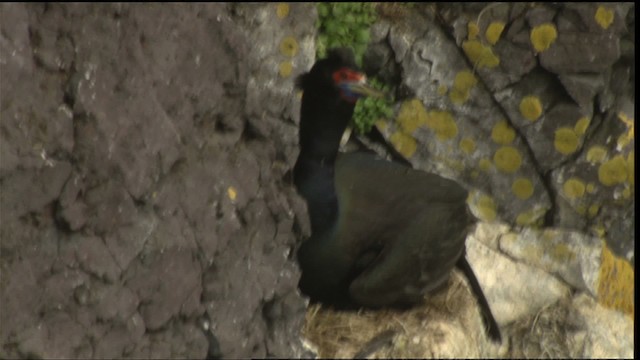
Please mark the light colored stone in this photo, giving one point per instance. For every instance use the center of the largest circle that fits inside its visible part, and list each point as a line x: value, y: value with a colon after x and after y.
x: 573, y: 256
x: 512, y: 289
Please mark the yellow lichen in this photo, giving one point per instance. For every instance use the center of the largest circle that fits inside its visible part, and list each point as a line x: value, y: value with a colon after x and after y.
x: 285, y: 68
x: 289, y: 46
x: 581, y: 209
x: 593, y: 210
x: 566, y: 141
x: 442, y: 123
x: 562, y: 253
x: 531, y: 107
x: 599, y: 231
x: 591, y: 188
x: 484, y: 164
x: 232, y: 193
x: 613, y: 171
x: 404, y: 144
x: 581, y: 125
x: 507, y: 159
x: 616, y: 283
x: 494, y: 30
x: 502, y: 133
x: 282, y: 10
x: 472, y: 30
x: 628, y: 136
x: 412, y: 114
x: 596, y: 154
x: 530, y: 217
x: 604, y: 17
x: 631, y: 168
x: 486, y: 207
x: 467, y: 145
x: 522, y: 188
x: 542, y: 36
x: 462, y: 85
x: 442, y: 89
x: 479, y: 54
x: 626, y: 193
x: 382, y: 126
x: 573, y: 188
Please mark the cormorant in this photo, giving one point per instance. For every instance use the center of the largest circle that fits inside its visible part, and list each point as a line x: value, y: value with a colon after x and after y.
x: 383, y: 234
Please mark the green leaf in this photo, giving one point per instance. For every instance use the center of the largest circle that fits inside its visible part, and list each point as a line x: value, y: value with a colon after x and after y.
x: 323, y: 9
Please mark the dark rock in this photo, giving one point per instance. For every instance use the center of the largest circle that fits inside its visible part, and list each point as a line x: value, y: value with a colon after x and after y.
x: 582, y: 87
x: 580, y: 52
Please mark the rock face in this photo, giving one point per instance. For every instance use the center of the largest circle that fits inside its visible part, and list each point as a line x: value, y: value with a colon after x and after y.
x: 146, y: 206
x: 531, y: 106
x: 144, y: 150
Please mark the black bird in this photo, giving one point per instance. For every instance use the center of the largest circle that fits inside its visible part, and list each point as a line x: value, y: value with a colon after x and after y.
x: 383, y: 234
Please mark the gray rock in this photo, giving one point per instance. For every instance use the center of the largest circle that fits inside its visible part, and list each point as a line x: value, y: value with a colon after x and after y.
x: 580, y: 52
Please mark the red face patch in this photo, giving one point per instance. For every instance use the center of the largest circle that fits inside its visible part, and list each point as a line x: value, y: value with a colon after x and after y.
x: 346, y: 75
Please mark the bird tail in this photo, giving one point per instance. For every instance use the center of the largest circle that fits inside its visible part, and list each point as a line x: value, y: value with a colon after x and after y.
x: 487, y: 316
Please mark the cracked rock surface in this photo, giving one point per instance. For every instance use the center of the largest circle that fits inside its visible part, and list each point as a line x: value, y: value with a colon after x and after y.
x: 143, y: 183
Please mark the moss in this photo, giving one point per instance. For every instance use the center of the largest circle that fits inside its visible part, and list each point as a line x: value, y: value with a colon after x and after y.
x: 542, y: 36
x: 285, y: 68
x: 596, y: 154
x: 502, y: 133
x: 613, y: 172
x: 573, y: 188
x: 522, y: 188
x: 289, y: 46
x: 462, y: 85
x: 494, y: 30
x: 626, y: 193
x: 616, y: 282
x: 442, y: 123
x: 403, y: 143
x: 472, y: 30
x: 467, y: 145
x: 565, y: 141
x: 507, y: 159
x: 282, y: 10
x: 531, y: 107
x: 604, y: 17
x: 479, y: 54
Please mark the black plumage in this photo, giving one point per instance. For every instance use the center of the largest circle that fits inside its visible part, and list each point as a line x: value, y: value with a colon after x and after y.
x: 383, y: 234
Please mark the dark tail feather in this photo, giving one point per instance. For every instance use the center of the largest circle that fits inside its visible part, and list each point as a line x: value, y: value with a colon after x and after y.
x: 485, y: 310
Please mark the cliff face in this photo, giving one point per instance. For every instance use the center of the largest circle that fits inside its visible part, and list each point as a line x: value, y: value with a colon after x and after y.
x: 144, y: 195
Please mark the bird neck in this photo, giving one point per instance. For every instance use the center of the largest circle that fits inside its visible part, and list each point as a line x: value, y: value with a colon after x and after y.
x: 323, y: 120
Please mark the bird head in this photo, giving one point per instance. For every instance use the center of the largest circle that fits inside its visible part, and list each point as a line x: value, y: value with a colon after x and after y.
x: 338, y: 73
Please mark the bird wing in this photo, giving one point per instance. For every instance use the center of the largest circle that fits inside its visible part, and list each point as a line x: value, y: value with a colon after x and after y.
x: 414, y: 223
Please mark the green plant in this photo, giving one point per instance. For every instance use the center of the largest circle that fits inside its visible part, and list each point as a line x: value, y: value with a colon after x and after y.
x: 369, y: 110
x: 344, y: 24
x: 347, y: 25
